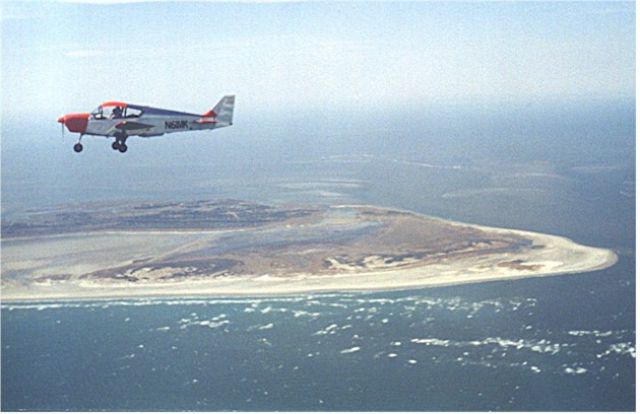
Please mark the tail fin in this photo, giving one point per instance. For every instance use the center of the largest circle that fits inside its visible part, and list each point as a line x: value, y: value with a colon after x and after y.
x: 222, y: 113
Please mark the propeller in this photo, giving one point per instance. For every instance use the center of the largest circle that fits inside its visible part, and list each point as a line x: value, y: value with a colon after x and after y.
x: 62, y: 120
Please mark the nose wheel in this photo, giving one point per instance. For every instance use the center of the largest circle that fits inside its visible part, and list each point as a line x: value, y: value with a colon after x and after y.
x: 78, y: 147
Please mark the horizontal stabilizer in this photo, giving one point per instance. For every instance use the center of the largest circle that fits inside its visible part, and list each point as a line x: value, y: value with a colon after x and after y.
x: 209, y: 120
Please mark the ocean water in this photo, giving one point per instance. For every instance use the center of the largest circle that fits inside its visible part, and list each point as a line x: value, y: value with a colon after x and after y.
x: 555, y: 343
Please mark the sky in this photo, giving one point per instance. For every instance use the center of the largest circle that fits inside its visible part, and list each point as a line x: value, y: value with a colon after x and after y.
x: 64, y: 56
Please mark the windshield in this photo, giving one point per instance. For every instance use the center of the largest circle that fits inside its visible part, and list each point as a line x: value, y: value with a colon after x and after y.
x: 97, y: 113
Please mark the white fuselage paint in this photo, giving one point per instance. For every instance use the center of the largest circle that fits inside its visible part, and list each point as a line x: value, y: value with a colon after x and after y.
x: 160, y: 124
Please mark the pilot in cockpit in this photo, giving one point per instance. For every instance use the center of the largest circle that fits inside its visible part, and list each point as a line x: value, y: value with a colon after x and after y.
x: 116, y: 113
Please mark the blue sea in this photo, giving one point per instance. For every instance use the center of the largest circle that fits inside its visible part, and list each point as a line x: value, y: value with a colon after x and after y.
x: 554, y: 343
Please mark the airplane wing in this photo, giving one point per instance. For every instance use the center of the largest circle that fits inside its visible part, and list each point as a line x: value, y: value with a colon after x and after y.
x: 130, y: 126
x: 126, y: 126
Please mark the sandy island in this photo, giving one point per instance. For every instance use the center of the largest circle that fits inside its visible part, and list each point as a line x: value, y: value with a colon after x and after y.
x: 218, y: 248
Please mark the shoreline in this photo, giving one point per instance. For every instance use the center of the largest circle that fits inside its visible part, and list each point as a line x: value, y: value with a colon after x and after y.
x: 560, y: 256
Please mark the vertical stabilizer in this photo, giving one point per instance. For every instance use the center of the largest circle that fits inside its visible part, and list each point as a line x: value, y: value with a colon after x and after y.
x: 222, y: 113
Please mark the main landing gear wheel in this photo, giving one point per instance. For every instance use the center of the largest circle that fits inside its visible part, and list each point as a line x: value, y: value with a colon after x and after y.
x: 119, y: 143
x: 77, y: 147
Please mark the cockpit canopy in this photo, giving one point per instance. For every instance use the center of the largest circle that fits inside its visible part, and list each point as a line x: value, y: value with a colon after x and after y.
x: 116, y: 110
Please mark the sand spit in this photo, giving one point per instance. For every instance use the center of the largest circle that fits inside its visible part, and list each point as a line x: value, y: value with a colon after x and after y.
x: 541, y: 255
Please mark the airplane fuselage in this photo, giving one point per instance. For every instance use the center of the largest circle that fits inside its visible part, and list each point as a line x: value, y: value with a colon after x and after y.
x: 151, y: 125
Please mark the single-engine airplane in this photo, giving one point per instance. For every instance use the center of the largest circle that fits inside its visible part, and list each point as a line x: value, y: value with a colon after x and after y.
x: 121, y: 120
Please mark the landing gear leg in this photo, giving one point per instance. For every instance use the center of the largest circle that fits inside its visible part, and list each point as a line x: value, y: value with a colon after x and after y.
x: 119, y: 143
x: 78, y: 147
